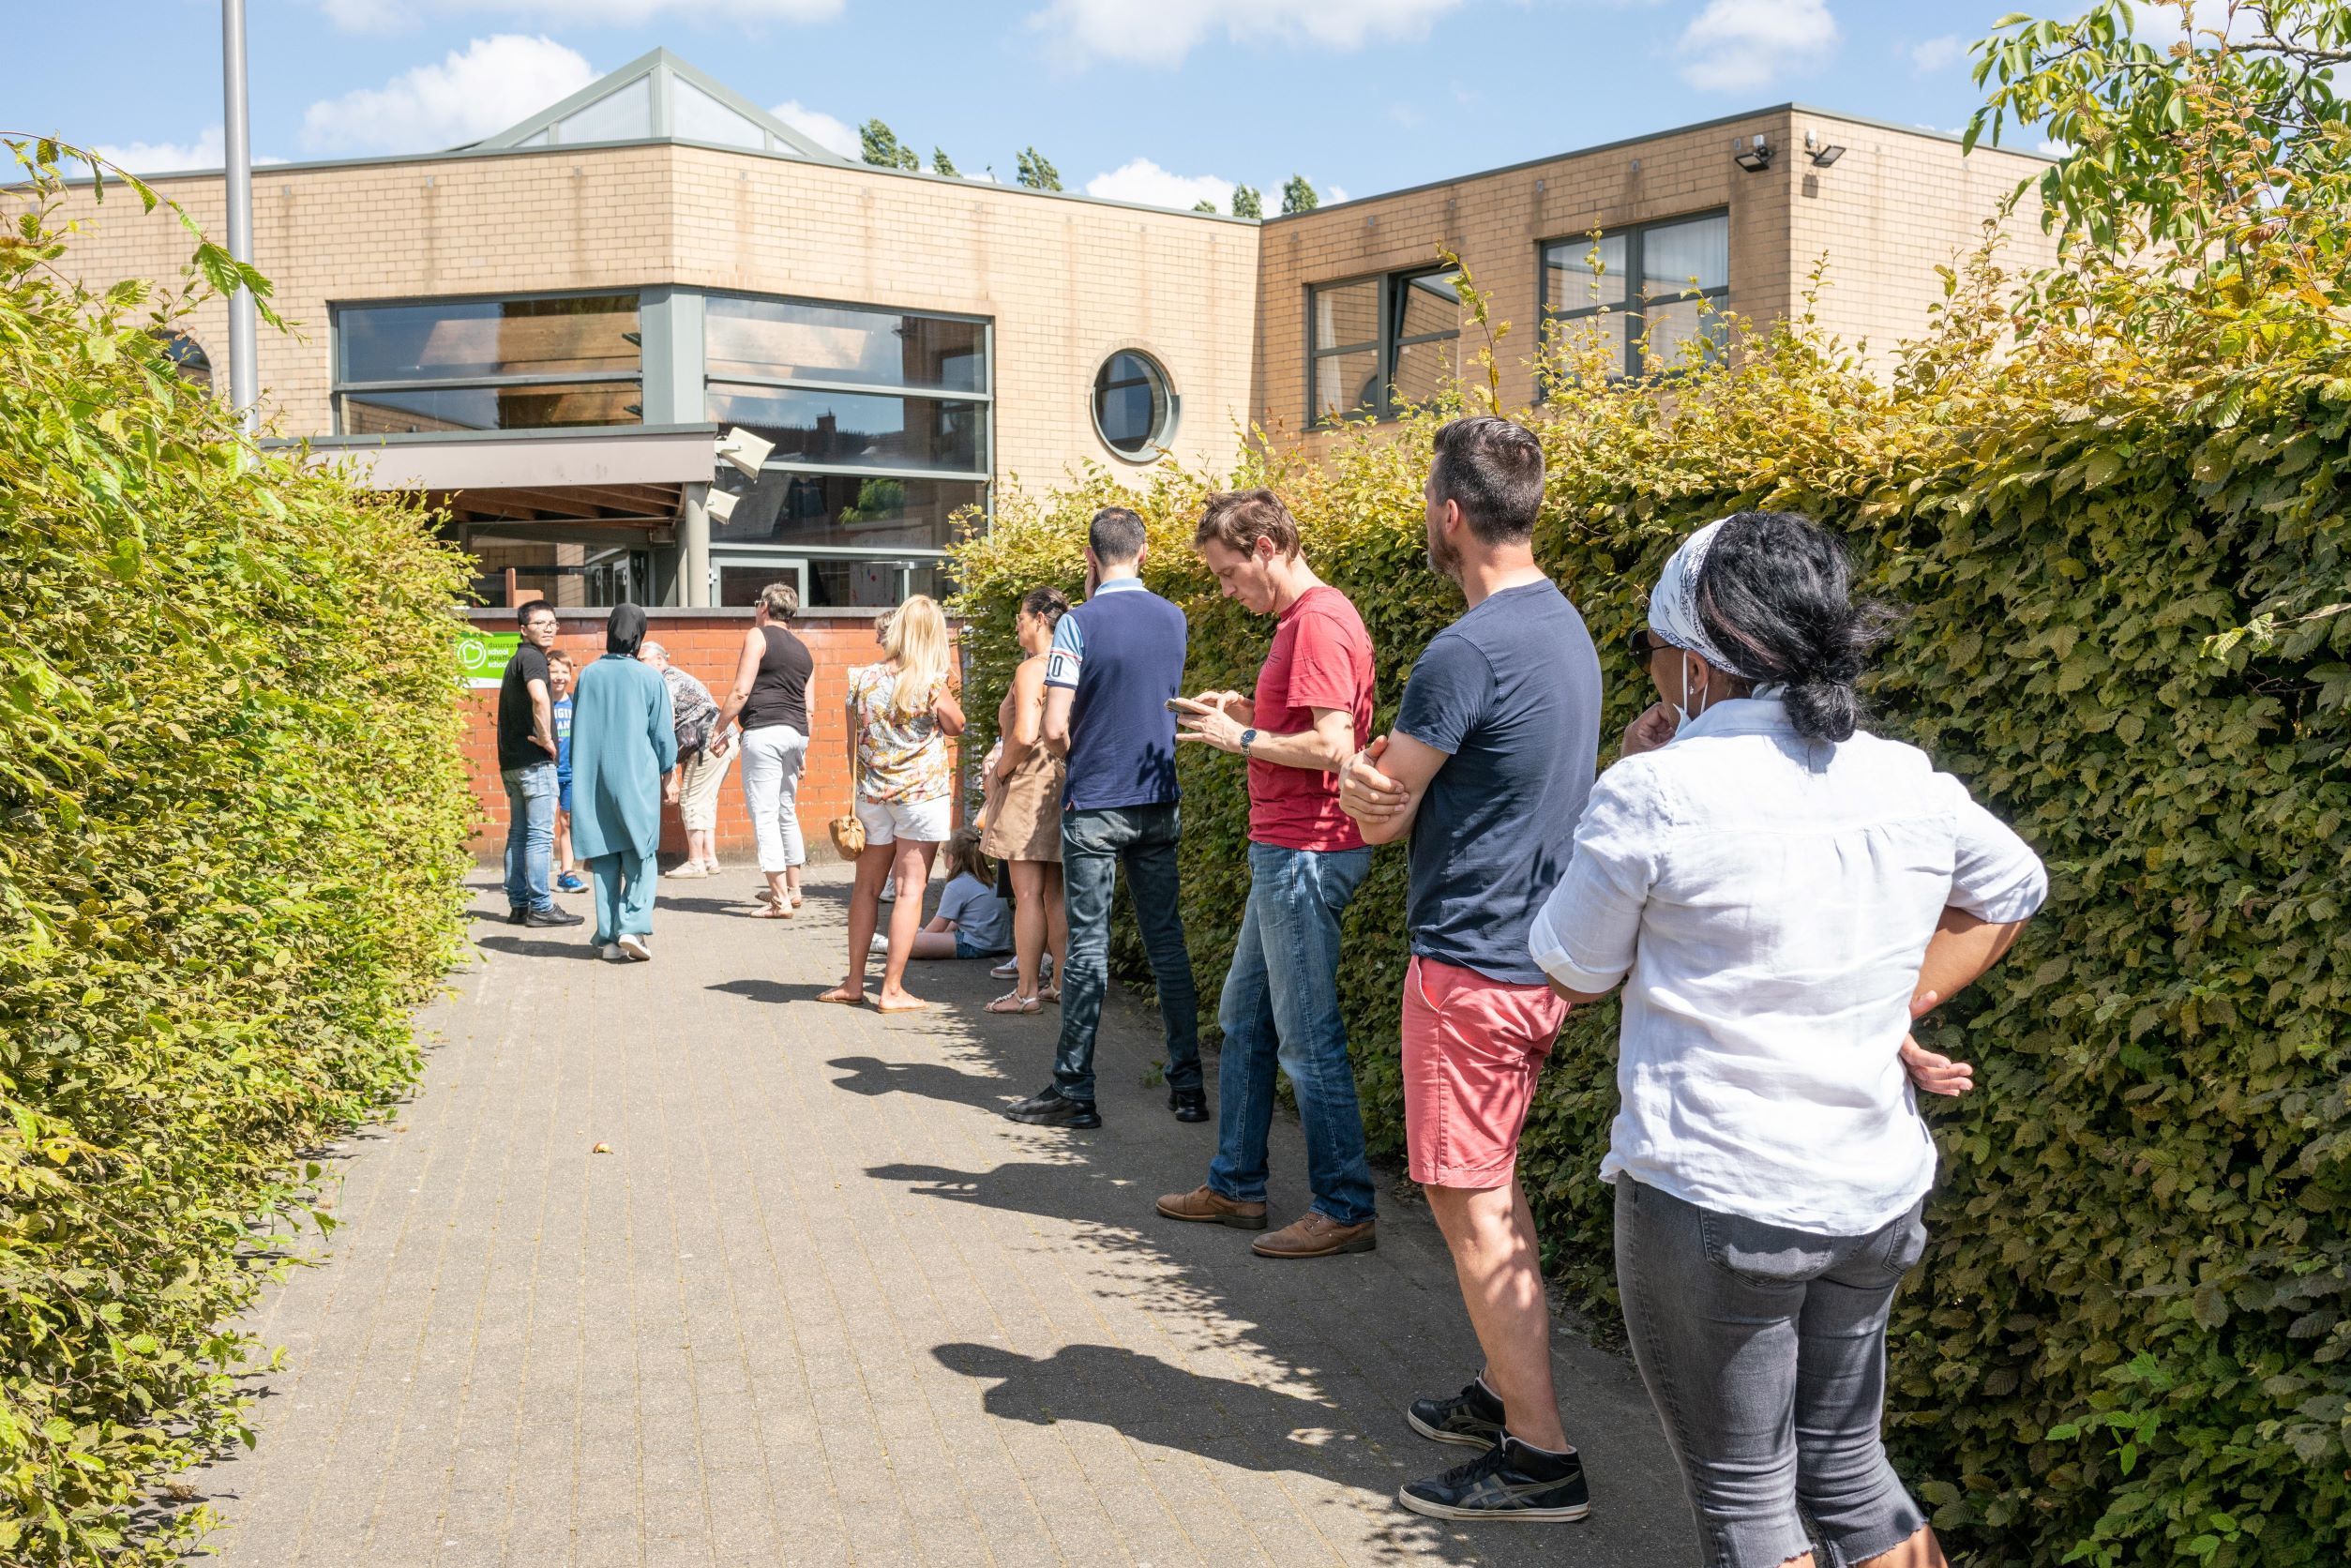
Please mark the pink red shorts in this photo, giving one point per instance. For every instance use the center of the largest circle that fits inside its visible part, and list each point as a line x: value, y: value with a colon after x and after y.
x: 1473, y: 1048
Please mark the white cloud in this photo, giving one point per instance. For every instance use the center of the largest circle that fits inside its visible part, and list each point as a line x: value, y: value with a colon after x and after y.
x: 820, y: 128
x: 1937, y: 53
x: 2159, y: 22
x: 484, y: 88
x: 159, y: 158
x: 1335, y: 194
x: 1738, y: 45
x: 1163, y: 32
x: 1142, y: 180
x: 396, y: 16
x: 162, y: 157
x: 2054, y: 146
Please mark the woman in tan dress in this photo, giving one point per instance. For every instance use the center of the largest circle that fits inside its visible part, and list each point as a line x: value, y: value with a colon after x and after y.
x: 1024, y: 811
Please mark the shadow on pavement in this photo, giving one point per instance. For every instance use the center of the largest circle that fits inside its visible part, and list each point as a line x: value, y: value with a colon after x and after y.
x: 1347, y: 1341
x: 576, y: 947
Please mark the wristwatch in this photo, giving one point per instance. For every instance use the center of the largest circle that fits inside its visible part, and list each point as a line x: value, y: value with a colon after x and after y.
x: 1248, y: 739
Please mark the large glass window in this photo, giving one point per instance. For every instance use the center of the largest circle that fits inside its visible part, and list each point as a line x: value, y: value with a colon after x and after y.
x: 487, y: 364
x: 1376, y: 344
x: 879, y: 421
x: 1670, y: 280
x: 793, y: 341
x: 844, y: 511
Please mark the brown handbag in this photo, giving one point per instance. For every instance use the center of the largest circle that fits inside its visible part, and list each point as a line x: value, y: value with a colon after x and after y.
x: 849, y: 835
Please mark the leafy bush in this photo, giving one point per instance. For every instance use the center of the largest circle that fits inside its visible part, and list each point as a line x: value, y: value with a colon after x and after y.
x: 232, y: 819
x: 2115, y: 514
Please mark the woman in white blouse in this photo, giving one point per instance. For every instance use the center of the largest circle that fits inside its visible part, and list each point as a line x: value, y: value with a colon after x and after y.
x: 1778, y: 891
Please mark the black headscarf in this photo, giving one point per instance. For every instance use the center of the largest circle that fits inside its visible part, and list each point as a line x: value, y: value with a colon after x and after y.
x: 625, y: 632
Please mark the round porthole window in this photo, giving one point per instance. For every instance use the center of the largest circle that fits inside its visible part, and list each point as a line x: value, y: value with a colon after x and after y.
x: 1133, y: 410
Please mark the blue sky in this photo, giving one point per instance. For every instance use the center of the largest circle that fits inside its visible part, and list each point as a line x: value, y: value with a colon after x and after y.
x: 1147, y: 99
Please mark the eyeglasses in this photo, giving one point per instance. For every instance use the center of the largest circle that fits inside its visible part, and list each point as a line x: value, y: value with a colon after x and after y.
x: 1645, y: 643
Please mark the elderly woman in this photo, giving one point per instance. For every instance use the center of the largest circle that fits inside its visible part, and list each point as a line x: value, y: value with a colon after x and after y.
x: 1778, y: 891
x: 622, y: 744
x: 705, y: 750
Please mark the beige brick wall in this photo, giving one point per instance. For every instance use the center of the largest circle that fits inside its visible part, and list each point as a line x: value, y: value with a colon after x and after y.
x: 1065, y: 280
x: 1885, y: 215
x: 1222, y: 305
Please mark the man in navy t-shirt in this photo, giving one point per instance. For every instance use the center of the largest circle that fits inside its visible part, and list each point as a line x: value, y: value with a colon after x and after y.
x: 1117, y: 659
x: 1486, y: 768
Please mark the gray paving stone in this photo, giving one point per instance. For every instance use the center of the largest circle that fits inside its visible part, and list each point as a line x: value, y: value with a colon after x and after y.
x: 819, y: 1304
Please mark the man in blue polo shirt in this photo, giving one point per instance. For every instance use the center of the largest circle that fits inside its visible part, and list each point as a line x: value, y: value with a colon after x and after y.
x: 1117, y: 659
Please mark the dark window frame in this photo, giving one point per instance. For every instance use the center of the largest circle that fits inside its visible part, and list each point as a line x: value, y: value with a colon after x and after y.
x: 1635, y: 308
x: 1393, y: 291
x: 340, y: 382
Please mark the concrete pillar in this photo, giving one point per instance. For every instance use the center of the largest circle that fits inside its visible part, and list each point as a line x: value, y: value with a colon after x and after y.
x: 694, y: 549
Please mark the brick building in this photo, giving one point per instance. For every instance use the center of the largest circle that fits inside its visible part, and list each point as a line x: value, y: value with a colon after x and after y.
x: 546, y: 332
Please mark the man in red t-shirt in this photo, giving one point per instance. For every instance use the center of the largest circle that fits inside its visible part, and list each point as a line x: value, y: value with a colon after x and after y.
x: 1306, y: 858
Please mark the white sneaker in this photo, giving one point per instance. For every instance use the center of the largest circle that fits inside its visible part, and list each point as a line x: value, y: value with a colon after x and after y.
x: 1010, y: 969
x: 611, y: 953
x: 635, y: 946
x: 889, y: 891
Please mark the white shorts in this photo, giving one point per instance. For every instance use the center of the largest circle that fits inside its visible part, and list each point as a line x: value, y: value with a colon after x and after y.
x: 923, y: 821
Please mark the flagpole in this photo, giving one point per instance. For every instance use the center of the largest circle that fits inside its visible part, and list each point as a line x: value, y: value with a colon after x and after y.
x: 244, y: 380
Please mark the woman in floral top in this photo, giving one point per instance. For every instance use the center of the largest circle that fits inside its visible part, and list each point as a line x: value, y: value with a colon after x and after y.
x: 902, y: 712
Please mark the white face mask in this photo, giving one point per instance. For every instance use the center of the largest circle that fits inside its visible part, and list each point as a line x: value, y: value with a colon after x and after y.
x: 1682, y: 713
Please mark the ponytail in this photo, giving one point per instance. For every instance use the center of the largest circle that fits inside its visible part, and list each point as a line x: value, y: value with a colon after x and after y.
x: 1776, y: 593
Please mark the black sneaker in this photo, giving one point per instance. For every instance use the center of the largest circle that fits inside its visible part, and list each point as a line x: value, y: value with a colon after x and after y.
x: 518, y: 913
x: 1509, y: 1481
x: 553, y: 917
x: 1472, y: 1418
x: 1053, y: 1108
x: 1190, y: 1105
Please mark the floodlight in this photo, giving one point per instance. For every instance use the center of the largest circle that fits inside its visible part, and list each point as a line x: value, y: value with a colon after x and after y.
x: 1753, y: 154
x: 743, y: 450
x: 720, y: 504
x: 1821, y: 155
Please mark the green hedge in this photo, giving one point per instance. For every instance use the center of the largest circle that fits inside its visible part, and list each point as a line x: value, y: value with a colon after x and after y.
x: 2126, y: 1342
x: 232, y: 814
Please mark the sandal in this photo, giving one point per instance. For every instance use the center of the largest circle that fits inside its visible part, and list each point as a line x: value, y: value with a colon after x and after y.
x: 1050, y: 993
x: 839, y: 1000
x: 772, y: 911
x: 1012, y: 1002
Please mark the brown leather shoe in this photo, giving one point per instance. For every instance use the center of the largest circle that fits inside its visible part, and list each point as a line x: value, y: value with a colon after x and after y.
x: 1207, y: 1205
x: 1315, y: 1234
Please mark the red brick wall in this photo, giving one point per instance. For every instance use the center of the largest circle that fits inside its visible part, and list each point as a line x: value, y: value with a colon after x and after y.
x: 706, y: 644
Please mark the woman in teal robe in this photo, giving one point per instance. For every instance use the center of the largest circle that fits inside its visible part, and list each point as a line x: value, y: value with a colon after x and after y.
x: 622, y: 748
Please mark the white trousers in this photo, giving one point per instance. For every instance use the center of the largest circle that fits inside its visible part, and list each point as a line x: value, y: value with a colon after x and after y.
x: 773, y: 756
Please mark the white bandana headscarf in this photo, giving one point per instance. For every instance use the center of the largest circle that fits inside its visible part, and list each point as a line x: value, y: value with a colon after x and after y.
x: 1673, y: 604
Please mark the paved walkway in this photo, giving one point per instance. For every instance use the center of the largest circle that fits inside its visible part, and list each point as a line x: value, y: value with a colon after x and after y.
x: 819, y: 1304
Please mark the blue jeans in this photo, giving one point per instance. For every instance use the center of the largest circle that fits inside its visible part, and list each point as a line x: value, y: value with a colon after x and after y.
x: 1093, y: 844
x: 1764, y: 1349
x: 1281, y: 1004
x: 625, y: 885
x: 530, y: 834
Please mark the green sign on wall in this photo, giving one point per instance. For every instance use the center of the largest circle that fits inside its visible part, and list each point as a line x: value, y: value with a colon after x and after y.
x: 482, y: 656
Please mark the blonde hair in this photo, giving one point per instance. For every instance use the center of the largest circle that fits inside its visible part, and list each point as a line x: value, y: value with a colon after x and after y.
x: 963, y: 853
x: 916, y: 640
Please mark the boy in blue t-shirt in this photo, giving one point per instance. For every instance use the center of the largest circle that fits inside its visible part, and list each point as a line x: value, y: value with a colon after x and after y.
x: 559, y: 682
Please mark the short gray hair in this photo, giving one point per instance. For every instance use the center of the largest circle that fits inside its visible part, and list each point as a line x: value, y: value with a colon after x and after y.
x: 780, y: 599
x: 650, y: 650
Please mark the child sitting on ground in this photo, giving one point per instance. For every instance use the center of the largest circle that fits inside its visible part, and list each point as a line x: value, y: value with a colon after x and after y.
x: 560, y: 681
x: 973, y: 922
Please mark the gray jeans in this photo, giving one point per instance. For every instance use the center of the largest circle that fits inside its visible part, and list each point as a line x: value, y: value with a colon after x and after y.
x: 1764, y: 1350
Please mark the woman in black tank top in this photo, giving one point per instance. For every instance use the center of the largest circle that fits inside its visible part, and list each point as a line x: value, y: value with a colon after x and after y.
x: 771, y: 698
